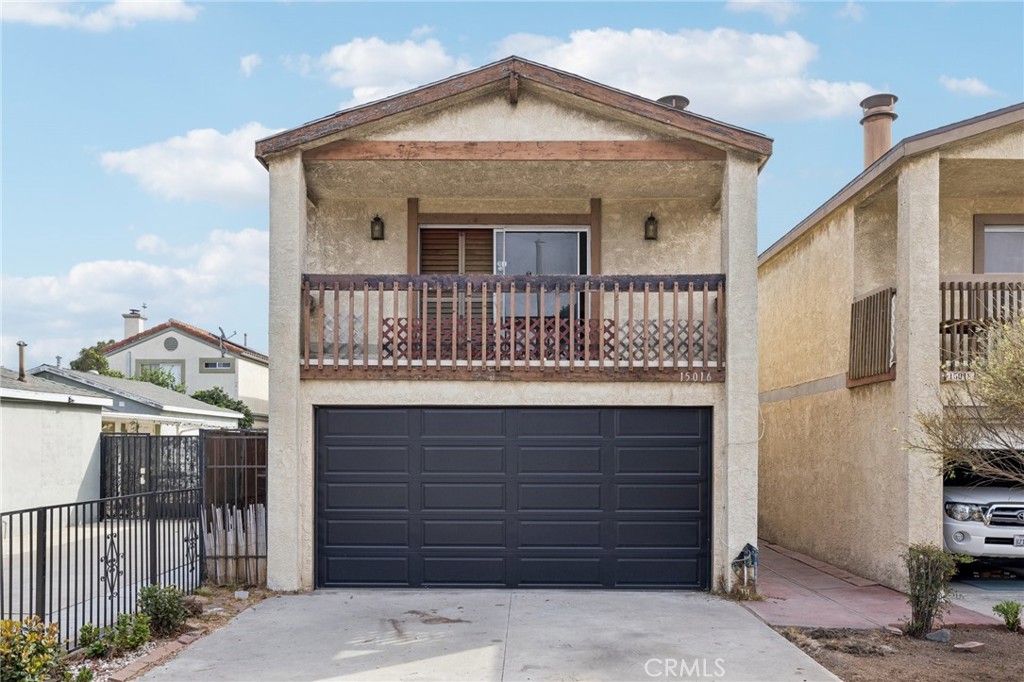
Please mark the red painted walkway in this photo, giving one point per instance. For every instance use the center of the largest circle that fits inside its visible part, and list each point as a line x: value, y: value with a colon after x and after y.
x: 805, y: 592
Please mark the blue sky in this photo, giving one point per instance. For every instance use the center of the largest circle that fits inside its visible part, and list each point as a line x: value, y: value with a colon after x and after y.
x: 128, y: 128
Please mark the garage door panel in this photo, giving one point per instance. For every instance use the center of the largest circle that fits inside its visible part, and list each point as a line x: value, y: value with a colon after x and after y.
x: 367, y: 496
x: 656, y: 572
x: 654, y: 422
x: 367, y: 532
x: 369, y: 570
x: 660, y: 534
x: 464, y: 496
x: 463, y: 533
x: 461, y: 424
x: 538, y: 571
x: 367, y: 459
x: 558, y: 534
x: 481, y: 571
x: 646, y: 497
x: 463, y: 459
x: 560, y: 423
x: 559, y: 460
x: 532, y: 497
x: 559, y: 497
x: 658, y: 460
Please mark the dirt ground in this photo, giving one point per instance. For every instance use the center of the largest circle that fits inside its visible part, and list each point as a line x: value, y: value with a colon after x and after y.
x: 868, y: 655
x: 219, y: 606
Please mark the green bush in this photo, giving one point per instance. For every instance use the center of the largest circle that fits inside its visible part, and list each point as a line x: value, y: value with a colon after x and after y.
x: 1010, y: 611
x: 929, y: 572
x: 165, y: 606
x: 91, y: 639
x: 30, y: 651
x: 130, y: 632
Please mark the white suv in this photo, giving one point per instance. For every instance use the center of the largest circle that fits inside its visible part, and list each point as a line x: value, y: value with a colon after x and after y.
x: 984, y: 521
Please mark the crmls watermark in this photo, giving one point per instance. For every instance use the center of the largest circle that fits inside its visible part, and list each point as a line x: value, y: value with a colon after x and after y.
x: 681, y: 667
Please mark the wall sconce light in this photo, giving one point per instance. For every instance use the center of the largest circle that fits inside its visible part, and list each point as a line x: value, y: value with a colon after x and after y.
x: 377, y: 228
x: 651, y: 227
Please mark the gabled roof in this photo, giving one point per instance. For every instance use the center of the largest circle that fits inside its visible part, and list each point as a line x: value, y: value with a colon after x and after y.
x: 151, y: 395
x: 44, y: 390
x: 513, y: 70
x: 195, y: 332
x: 905, y: 148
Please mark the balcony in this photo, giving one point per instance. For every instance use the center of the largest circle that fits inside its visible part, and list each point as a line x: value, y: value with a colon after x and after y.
x: 532, y: 328
x: 971, y: 304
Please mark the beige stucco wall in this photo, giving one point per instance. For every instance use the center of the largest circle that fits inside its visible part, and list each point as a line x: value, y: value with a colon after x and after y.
x: 956, y: 229
x: 874, y: 242
x: 50, y: 454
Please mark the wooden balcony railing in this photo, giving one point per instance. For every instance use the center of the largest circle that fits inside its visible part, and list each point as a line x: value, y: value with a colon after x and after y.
x: 971, y: 304
x: 551, y: 327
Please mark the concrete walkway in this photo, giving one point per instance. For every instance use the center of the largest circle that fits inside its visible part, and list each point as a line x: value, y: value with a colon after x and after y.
x: 805, y: 592
x: 492, y: 635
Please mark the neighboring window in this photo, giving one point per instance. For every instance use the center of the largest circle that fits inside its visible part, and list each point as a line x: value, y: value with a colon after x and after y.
x: 176, y: 368
x: 170, y: 343
x: 216, y: 365
x: 999, y: 244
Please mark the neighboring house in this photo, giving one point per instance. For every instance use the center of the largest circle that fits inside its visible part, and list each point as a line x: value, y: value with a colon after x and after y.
x: 497, y: 331
x: 50, y: 442
x: 866, y: 307
x: 142, y: 407
x: 197, y: 357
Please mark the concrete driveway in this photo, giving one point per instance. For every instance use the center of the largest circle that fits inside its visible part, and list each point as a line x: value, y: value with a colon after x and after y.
x: 492, y: 635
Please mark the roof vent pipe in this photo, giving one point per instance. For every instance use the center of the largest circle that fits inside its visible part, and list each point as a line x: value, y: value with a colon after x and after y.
x: 675, y: 101
x: 21, y: 360
x: 879, y: 113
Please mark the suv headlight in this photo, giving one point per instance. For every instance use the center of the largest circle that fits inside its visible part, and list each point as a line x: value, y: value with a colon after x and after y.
x: 965, y: 512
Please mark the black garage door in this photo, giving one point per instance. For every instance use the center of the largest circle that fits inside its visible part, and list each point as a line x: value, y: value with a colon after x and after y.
x: 522, y: 497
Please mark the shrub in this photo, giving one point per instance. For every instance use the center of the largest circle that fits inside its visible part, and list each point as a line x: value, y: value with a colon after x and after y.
x: 929, y: 571
x: 1010, y: 611
x: 30, y: 651
x: 130, y: 632
x: 165, y: 606
x: 91, y: 639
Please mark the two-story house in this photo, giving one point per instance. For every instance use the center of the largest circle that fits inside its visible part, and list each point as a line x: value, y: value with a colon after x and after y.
x: 513, y: 339
x: 866, y: 308
x: 200, y: 359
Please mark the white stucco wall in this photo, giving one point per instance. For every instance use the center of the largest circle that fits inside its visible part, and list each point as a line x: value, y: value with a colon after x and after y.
x: 49, y: 454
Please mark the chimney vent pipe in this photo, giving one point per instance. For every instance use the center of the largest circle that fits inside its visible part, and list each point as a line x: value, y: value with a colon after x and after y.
x: 21, y: 360
x: 134, y: 322
x: 879, y: 113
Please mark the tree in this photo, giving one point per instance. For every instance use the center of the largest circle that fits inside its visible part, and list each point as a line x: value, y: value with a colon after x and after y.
x: 92, y: 359
x: 981, y: 429
x: 219, y: 397
x: 160, y: 377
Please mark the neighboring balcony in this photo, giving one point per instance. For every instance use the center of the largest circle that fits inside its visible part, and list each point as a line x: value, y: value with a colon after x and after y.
x: 532, y: 328
x: 972, y: 304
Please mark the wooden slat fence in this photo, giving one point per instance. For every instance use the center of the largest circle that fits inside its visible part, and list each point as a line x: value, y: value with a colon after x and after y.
x: 969, y: 307
x: 872, y: 351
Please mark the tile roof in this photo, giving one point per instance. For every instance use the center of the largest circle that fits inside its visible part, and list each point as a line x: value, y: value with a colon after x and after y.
x: 191, y: 330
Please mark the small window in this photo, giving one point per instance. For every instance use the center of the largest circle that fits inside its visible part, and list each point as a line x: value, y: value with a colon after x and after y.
x: 999, y: 244
x: 217, y: 365
x: 175, y: 368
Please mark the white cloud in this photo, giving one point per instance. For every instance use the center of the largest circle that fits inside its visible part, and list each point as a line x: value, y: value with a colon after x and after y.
x: 421, y: 31
x: 727, y: 74
x: 118, y: 14
x: 779, y: 12
x: 854, y: 11
x: 203, y: 164
x: 249, y: 62
x: 373, y: 68
x: 966, y: 86
x: 214, y: 282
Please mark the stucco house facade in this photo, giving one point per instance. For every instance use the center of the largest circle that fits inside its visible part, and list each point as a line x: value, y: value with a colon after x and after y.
x: 142, y: 407
x: 866, y: 308
x: 498, y: 339
x: 50, y: 442
x: 199, y: 358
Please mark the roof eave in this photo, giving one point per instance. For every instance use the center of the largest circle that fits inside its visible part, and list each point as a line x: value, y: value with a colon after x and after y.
x: 710, y: 129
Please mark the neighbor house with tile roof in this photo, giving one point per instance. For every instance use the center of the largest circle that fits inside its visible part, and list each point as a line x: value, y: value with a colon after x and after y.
x: 199, y: 358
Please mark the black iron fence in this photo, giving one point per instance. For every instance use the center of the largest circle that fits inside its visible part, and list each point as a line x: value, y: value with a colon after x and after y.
x: 174, y: 510
x: 76, y: 563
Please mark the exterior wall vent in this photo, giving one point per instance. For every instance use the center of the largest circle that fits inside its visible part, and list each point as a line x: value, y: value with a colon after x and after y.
x: 171, y: 343
x: 675, y: 101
